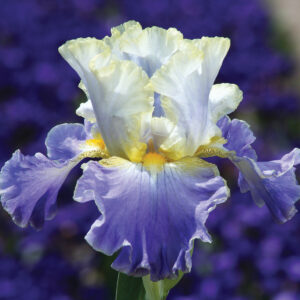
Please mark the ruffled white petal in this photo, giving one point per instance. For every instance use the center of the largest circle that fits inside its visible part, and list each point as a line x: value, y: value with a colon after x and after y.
x: 114, y: 40
x: 124, y: 103
x: 185, y: 96
x: 149, y: 48
x: 121, y: 96
x: 185, y: 82
x: 215, y: 50
x: 79, y: 52
x: 184, y: 72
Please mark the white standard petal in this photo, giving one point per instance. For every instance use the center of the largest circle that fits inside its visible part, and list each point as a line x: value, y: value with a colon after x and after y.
x: 185, y: 83
x: 120, y: 93
x: 79, y: 52
x: 124, y: 103
x: 215, y: 50
x: 185, y: 96
x: 114, y: 40
x: 149, y: 48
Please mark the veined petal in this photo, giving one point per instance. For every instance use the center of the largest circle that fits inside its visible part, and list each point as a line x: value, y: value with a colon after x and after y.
x: 120, y: 93
x: 239, y: 137
x: 29, y: 185
x: 114, y: 40
x: 185, y: 82
x: 78, y: 54
x: 124, y: 98
x: 150, y: 48
x: 152, y: 217
x: 185, y: 97
x: 215, y: 50
x: 272, y: 183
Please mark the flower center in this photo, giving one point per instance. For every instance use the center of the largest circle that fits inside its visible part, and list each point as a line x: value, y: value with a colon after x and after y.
x: 153, y: 161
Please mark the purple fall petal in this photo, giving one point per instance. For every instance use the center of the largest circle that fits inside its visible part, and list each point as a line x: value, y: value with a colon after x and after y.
x: 239, y: 137
x: 29, y: 186
x: 63, y: 141
x: 272, y: 183
x: 152, y: 218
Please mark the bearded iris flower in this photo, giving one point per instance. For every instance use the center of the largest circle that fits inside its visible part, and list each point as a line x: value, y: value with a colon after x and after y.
x: 153, y: 116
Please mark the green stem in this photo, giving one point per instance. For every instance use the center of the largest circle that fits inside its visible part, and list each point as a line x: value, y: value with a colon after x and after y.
x: 159, y: 290
x: 154, y: 290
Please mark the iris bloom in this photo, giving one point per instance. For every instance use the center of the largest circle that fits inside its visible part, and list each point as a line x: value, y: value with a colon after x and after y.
x: 153, y: 115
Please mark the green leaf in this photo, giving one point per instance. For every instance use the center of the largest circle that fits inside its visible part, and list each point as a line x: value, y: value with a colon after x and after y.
x: 129, y: 288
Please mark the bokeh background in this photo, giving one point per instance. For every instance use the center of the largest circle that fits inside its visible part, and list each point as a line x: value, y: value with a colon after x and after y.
x: 251, y: 257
